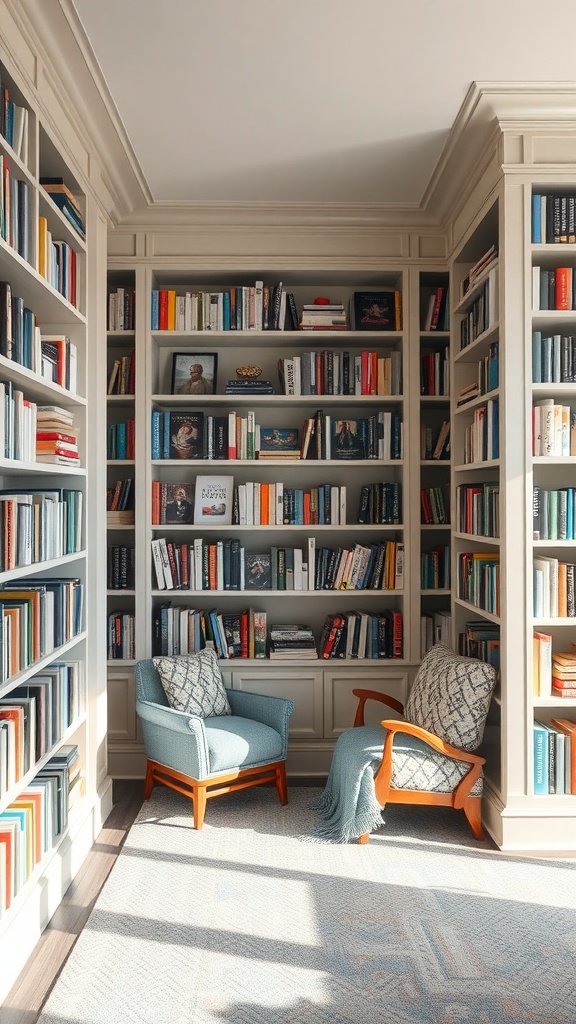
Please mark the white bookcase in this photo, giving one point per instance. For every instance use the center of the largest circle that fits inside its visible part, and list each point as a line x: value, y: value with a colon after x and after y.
x: 29, y: 899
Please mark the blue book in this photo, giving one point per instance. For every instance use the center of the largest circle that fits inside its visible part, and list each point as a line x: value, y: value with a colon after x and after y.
x: 226, y: 311
x: 165, y: 434
x: 537, y: 357
x: 536, y: 218
x: 541, y: 745
x: 156, y: 434
x: 154, y: 310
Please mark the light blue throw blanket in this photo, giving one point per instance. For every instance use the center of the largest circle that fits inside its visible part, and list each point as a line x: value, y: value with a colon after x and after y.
x: 348, y: 804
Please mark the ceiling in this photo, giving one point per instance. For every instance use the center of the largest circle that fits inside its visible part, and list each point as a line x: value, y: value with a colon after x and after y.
x: 310, y: 101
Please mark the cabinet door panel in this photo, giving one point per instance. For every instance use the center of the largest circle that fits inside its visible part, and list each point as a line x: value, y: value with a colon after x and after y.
x: 340, y: 703
x: 122, y: 719
x: 302, y: 685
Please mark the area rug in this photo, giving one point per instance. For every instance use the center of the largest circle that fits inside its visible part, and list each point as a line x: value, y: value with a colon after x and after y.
x: 243, y: 923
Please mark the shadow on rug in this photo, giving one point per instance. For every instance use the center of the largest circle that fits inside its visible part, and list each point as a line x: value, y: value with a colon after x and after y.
x: 243, y: 923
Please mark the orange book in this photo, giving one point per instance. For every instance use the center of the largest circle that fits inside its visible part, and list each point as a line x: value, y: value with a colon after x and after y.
x: 33, y: 598
x: 264, y: 488
x: 568, y: 727
x: 306, y: 508
x: 563, y: 288
x: 562, y: 590
x: 33, y: 801
x: 171, y: 311
x: 212, y: 567
x: 155, y: 502
x: 16, y: 713
x: 42, y: 245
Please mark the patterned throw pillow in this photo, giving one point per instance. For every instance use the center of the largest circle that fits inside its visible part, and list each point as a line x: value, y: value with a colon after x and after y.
x: 451, y: 696
x: 193, y: 683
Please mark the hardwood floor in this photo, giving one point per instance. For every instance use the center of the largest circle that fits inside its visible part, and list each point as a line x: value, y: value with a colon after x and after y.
x: 26, y: 998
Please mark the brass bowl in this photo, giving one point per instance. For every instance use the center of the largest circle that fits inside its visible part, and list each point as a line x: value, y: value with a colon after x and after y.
x: 248, y: 372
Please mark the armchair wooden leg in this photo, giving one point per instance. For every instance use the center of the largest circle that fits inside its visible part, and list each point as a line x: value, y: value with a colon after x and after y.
x: 473, y: 811
x: 149, y: 780
x: 281, y: 784
x: 364, y: 838
x: 199, y: 802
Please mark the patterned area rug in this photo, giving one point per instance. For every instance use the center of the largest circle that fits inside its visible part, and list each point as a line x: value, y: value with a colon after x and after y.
x: 243, y: 923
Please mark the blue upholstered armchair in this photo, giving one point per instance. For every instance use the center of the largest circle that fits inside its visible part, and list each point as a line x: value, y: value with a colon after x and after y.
x: 239, y: 741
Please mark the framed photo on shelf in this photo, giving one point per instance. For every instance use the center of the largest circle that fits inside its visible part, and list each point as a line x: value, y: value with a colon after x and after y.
x: 377, y: 311
x: 194, y: 373
x: 213, y: 498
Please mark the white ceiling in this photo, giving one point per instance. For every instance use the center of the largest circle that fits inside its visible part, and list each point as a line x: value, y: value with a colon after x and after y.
x: 311, y: 101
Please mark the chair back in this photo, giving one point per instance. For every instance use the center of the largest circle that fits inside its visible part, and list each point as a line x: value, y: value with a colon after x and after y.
x: 451, y: 696
x: 148, y: 685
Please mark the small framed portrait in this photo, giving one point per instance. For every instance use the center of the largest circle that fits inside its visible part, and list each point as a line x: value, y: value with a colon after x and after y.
x: 194, y: 373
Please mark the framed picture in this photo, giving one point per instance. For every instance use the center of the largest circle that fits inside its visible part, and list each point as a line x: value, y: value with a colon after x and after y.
x: 378, y: 311
x: 194, y: 373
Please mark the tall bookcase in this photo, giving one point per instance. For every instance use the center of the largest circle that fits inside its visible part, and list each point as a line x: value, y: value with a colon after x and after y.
x: 51, y: 525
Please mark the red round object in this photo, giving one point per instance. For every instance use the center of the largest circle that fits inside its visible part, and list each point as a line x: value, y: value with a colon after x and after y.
x: 321, y: 301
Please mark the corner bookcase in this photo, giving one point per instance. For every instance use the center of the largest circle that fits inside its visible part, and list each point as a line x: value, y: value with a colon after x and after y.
x: 52, y: 658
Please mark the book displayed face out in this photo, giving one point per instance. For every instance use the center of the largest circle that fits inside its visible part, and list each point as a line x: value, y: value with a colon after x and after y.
x: 213, y: 500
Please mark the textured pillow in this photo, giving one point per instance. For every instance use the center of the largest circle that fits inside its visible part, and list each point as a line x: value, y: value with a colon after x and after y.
x: 451, y: 696
x: 193, y: 683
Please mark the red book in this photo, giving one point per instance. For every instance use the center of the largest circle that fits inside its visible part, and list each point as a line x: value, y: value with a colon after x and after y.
x: 244, y: 635
x: 564, y: 691
x: 563, y: 288
x: 6, y: 838
x: 55, y: 435
x: 163, y: 309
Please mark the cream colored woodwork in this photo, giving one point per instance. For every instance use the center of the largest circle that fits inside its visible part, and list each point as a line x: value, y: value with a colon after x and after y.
x: 302, y: 685
x: 340, y: 703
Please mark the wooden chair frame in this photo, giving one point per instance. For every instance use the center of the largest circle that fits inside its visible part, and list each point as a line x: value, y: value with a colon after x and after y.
x: 200, y: 790
x: 459, y: 799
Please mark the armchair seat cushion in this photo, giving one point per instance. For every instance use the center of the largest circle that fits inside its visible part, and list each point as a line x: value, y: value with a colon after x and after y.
x: 416, y: 766
x: 236, y: 742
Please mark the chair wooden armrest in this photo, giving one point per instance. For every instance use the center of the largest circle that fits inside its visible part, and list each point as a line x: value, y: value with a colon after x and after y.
x: 384, y: 773
x: 384, y: 698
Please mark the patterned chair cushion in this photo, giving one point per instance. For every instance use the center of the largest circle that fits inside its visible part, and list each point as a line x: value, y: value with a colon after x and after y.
x: 416, y: 766
x: 451, y: 696
x: 193, y: 683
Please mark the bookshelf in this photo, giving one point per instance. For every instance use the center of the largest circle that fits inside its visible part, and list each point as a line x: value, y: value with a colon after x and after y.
x: 322, y: 687
x: 51, y: 683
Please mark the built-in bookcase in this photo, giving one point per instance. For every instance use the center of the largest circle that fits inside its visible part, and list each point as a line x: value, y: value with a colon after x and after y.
x: 50, y: 676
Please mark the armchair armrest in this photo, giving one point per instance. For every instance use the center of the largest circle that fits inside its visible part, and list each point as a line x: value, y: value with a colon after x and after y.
x: 384, y: 698
x: 264, y: 708
x: 175, y: 738
x: 384, y: 773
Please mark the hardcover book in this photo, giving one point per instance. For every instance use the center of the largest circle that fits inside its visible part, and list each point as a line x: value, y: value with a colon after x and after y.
x: 279, y: 441
x: 377, y: 311
x: 176, y: 503
x: 186, y: 435
x: 347, y: 440
x: 258, y: 575
x: 213, y: 500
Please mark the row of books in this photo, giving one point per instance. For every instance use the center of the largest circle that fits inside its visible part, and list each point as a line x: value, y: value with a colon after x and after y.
x: 37, y: 615
x: 484, y: 266
x: 487, y: 379
x: 226, y: 565
x: 435, y: 441
x: 381, y: 503
x: 341, y: 373
x: 66, y: 201
x: 435, y: 568
x: 435, y: 372
x: 14, y: 210
x: 434, y: 505
x: 120, y: 497
x: 482, y: 435
x: 480, y: 639
x: 196, y: 435
x: 553, y: 358
x: 553, y: 289
x: 553, y: 513
x: 483, y: 313
x: 57, y: 262
x: 554, y: 757
x: 34, y: 821
x: 554, y: 591
x: 121, y: 636
x: 122, y: 379
x: 38, y: 524
x: 181, y: 630
x: 478, y: 509
x: 435, y: 628
x: 121, y: 309
x: 52, y: 356
x: 120, y: 567
x: 553, y: 429
x: 479, y: 579
x: 35, y: 716
x: 13, y: 123
x: 121, y: 440
x: 254, y: 503
x: 257, y: 307
x: 436, y: 312
x: 18, y: 416
x: 359, y: 634
x: 553, y: 217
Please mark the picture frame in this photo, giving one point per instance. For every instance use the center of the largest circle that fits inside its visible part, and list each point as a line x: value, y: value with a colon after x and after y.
x: 194, y: 373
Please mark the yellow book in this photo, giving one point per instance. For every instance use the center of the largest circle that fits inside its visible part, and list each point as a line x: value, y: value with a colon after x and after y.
x: 42, y: 245
x: 171, y: 325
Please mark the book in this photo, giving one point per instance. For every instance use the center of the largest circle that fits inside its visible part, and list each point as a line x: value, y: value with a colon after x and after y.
x: 213, y: 499
x: 377, y: 311
x: 258, y: 570
x: 186, y: 435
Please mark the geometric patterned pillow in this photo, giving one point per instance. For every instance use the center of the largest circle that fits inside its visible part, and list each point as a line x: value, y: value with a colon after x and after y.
x: 193, y: 683
x: 451, y: 696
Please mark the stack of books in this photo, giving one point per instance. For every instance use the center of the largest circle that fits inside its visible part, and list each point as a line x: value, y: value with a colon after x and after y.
x: 56, y: 436
x: 245, y: 386
x: 564, y: 674
x: 66, y: 201
x: 289, y: 641
x: 323, y: 317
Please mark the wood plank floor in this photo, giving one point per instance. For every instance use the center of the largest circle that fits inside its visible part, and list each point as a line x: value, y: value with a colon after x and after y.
x: 26, y: 998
